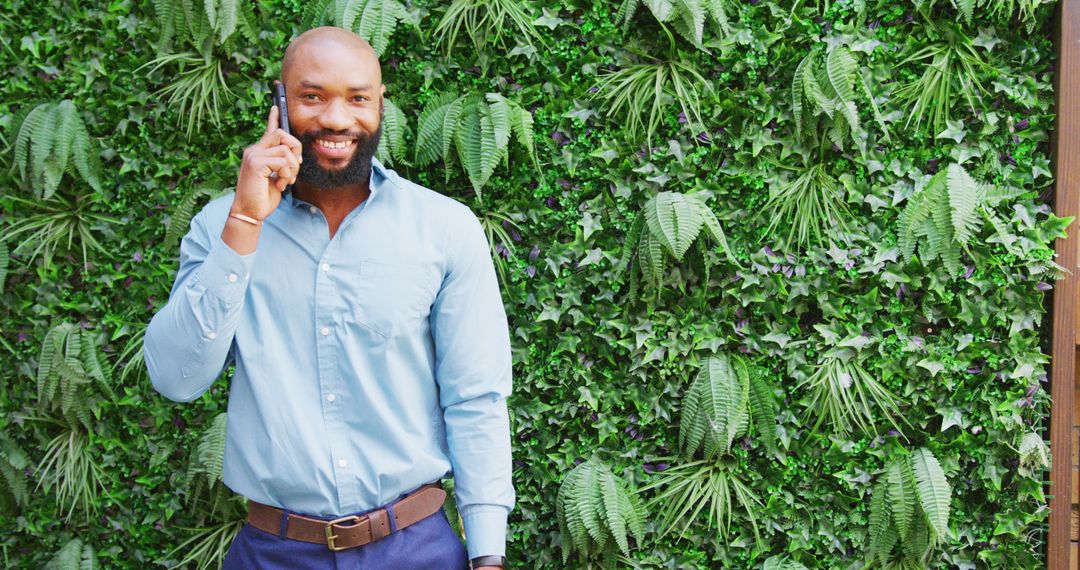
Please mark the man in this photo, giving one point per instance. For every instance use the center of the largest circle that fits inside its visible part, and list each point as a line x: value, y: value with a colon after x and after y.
x: 371, y: 345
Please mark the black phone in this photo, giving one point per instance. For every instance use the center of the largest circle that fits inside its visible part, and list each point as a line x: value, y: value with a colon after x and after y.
x: 283, y: 110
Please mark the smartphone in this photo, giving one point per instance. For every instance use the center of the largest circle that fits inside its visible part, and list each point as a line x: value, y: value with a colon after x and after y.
x: 283, y: 110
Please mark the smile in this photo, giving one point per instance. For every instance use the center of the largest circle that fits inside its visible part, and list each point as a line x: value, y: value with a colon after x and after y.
x: 334, y: 144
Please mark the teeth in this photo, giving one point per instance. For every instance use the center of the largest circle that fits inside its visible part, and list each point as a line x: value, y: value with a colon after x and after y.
x: 329, y: 144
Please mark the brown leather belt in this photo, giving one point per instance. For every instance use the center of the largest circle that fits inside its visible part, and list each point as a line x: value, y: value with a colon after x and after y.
x: 350, y: 531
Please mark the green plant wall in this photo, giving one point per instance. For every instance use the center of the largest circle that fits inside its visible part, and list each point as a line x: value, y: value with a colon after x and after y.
x: 829, y: 218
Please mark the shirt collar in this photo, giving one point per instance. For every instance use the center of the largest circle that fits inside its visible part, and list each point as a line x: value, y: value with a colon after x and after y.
x: 379, y: 179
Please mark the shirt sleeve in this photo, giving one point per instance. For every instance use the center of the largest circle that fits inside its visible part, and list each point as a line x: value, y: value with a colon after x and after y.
x: 187, y: 343
x: 473, y: 370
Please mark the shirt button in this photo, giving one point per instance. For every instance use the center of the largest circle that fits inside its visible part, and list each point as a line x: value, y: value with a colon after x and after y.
x: 330, y: 397
x: 326, y: 331
x: 343, y: 463
x: 211, y: 335
x: 325, y: 267
x: 312, y: 209
x: 232, y: 278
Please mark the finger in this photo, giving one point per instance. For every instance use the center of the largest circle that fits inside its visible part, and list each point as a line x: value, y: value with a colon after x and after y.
x: 282, y: 151
x: 294, y: 144
x: 272, y: 165
x: 271, y: 122
x: 281, y: 184
x: 291, y: 143
x: 278, y: 151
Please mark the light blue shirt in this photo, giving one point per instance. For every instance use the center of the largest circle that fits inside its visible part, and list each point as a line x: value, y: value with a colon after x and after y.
x: 366, y: 365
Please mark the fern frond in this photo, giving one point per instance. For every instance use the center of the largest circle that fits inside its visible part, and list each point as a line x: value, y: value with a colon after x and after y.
x: 522, y: 125
x: 763, y: 409
x: 716, y: 407
x: 5, y: 261
x: 319, y: 13
x: 373, y: 20
x: 68, y: 557
x: 933, y: 491
x: 689, y: 20
x: 13, y: 463
x: 633, y: 237
x: 901, y: 486
x: 963, y: 202
x: 469, y: 140
x: 880, y: 514
x: 180, y: 217
x: 798, y: 88
x: 432, y: 138
x: 626, y: 13
x: 69, y: 365
x: 614, y: 517
x: 495, y: 135
x: 675, y: 219
x: 593, y: 509
x: 392, y: 146
x: 917, y: 543
x: 50, y: 139
x: 716, y: 232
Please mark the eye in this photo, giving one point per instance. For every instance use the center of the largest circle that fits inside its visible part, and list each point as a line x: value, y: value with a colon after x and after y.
x: 360, y: 98
x: 310, y: 96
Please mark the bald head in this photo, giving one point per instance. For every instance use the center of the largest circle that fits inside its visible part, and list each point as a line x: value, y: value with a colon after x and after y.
x: 332, y: 45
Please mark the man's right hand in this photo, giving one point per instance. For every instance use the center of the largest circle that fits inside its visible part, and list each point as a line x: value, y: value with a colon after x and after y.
x: 268, y: 167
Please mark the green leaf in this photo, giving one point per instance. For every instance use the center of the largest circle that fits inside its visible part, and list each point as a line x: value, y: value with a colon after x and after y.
x: 933, y: 491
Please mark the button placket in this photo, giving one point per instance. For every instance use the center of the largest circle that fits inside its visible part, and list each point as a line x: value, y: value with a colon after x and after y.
x: 327, y: 297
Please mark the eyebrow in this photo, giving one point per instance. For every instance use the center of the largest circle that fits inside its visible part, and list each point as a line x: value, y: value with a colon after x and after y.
x: 316, y: 86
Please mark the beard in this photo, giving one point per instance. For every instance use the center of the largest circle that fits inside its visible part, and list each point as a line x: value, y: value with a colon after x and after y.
x: 357, y: 171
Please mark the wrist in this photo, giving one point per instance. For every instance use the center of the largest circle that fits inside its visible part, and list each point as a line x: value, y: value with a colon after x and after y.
x: 241, y: 214
x: 241, y: 236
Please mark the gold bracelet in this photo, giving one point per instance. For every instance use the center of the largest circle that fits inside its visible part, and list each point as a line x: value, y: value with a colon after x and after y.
x: 244, y: 218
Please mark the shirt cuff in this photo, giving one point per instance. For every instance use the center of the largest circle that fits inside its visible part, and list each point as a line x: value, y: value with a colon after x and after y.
x: 485, y: 530
x: 226, y: 273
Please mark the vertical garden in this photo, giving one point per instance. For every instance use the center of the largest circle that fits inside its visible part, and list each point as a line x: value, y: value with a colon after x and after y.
x: 775, y: 270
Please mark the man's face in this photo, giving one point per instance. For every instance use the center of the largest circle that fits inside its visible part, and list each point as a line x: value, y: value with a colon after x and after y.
x: 335, y: 109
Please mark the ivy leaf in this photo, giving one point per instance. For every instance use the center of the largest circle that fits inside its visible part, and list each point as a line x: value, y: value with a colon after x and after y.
x: 934, y: 366
x: 590, y: 224
x: 986, y: 39
x: 1054, y: 228
x: 954, y: 130
x: 549, y: 20
x: 951, y: 417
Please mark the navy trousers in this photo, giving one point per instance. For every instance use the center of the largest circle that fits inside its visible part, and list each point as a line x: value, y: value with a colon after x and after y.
x: 429, y: 544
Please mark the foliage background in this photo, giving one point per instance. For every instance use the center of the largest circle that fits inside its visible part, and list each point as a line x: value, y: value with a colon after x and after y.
x: 596, y: 372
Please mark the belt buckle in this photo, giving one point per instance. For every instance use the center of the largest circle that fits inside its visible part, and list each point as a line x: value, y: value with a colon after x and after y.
x: 330, y: 536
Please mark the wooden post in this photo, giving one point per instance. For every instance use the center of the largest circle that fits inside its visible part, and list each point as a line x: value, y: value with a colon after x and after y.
x: 1065, y: 145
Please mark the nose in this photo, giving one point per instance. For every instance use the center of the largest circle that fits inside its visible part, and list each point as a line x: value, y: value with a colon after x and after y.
x: 335, y: 116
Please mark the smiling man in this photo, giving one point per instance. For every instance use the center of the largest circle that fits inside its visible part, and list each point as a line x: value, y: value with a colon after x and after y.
x: 371, y: 346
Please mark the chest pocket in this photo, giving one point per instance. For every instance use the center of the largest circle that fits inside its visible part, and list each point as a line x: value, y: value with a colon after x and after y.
x: 393, y: 298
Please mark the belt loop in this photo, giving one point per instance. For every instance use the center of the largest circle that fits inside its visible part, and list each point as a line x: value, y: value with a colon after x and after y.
x: 392, y: 517
x: 283, y: 533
